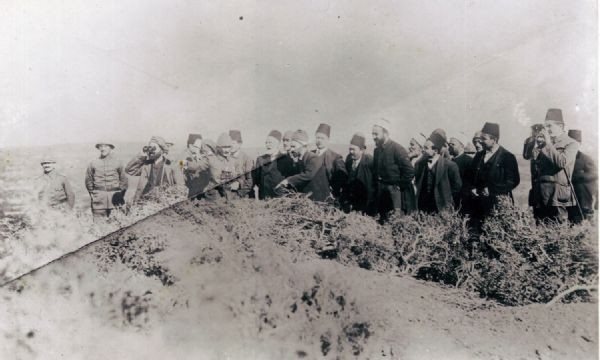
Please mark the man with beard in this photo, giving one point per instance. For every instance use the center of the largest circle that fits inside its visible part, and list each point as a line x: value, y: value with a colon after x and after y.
x: 585, y: 183
x: 243, y: 164
x: 359, y: 191
x: 555, y: 153
x: 268, y: 171
x: 333, y: 162
x: 312, y: 177
x: 54, y: 189
x: 195, y: 167
x: 392, y: 172
x: 156, y: 171
x: 477, y: 141
x: 289, y: 164
x: 459, y: 156
x: 415, y: 151
x: 106, y: 182
x: 444, y: 151
x: 493, y: 173
x: 470, y: 150
x: 437, y: 178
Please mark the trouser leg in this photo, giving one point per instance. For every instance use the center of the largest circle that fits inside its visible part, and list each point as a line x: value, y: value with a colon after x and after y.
x: 100, y: 215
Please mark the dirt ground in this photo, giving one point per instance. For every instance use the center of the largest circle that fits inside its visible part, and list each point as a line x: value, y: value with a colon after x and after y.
x: 169, y: 288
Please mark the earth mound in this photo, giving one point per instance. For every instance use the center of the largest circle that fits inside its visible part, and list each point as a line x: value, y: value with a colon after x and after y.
x: 218, y: 281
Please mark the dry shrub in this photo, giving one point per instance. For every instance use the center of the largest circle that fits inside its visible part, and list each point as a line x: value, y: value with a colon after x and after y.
x: 521, y: 263
x: 41, y: 234
x: 431, y: 246
x: 516, y: 262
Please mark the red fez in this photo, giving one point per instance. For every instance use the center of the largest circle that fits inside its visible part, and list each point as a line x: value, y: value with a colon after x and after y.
x: 359, y: 140
x: 193, y: 137
x: 554, y: 115
x: 438, y: 138
x: 235, y: 135
x: 491, y: 129
x: 575, y: 134
x: 324, y: 129
x: 276, y: 134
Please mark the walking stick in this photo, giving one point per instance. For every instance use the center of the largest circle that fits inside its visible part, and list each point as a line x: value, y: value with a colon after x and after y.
x: 573, y: 193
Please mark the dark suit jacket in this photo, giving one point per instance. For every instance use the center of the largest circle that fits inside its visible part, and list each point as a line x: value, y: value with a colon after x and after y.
x: 500, y: 175
x: 360, y: 191
x: 447, y: 182
x: 585, y: 180
x: 335, y: 170
x: 391, y: 166
x: 267, y: 174
x: 287, y: 166
x: 312, y: 177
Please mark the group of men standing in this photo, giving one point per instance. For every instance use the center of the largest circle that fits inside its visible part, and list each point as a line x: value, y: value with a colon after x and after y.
x: 437, y: 176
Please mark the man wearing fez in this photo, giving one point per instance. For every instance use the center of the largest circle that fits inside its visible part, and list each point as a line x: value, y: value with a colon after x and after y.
x: 334, y: 163
x: 437, y: 179
x: 312, y: 177
x: 53, y: 189
x: 554, y: 154
x: 493, y: 172
x: 155, y: 169
x: 392, y: 172
x: 243, y: 164
x: 460, y: 157
x: 359, y: 191
x: 444, y: 152
x: 538, y: 166
x: 195, y: 166
x: 268, y: 171
x: 106, y: 182
x: 585, y: 183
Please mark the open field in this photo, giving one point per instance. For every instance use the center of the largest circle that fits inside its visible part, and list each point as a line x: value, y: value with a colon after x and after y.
x: 44, y: 236
x: 196, y: 281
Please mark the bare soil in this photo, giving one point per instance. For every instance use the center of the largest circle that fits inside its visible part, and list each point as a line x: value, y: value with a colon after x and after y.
x: 168, y: 288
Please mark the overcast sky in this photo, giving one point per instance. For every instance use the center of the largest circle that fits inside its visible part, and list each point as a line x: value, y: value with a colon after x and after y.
x: 123, y: 70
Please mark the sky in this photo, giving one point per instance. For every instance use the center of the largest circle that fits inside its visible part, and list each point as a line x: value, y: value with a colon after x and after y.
x: 76, y: 71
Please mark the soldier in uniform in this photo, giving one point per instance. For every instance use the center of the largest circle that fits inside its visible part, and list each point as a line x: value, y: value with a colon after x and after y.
x: 393, y: 173
x: 156, y: 171
x: 106, y: 181
x: 54, y: 189
x: 554, y: 160
x: 312, y: 177
x: 224, y: 171
x: 243, y: 164
x: 585, y: 183
x: 334, y: 163
x: 359, y: 190
x: 268, y: 171
x: 437, y: 178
